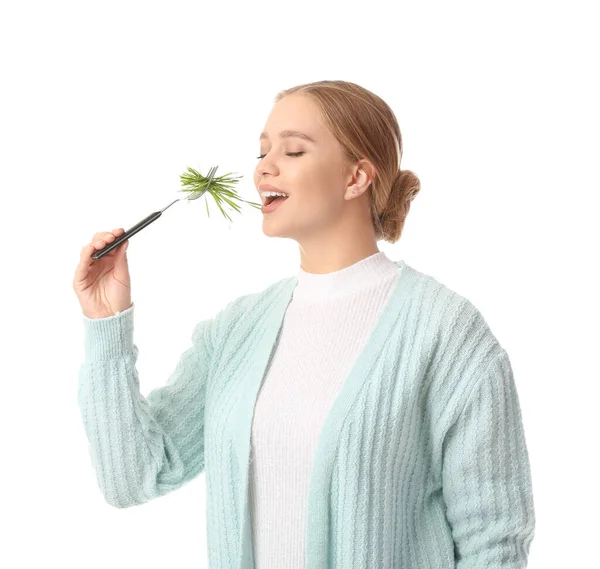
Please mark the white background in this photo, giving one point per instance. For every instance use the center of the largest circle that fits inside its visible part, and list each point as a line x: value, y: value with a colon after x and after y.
x: 105, y: 104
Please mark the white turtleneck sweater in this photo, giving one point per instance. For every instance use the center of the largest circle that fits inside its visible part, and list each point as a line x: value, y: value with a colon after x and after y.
x: 326, y: 326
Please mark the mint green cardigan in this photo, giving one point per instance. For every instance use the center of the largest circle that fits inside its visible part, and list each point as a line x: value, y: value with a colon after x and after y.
x: 422, y: 461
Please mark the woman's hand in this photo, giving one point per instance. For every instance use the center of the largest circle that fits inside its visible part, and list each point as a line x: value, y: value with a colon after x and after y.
x: 103, y: 286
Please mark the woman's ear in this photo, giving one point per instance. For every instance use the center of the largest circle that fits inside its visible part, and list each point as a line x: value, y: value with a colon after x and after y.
x: 362, y: 177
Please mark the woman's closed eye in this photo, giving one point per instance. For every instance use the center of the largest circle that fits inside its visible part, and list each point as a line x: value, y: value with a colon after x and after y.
x: 287, y: 154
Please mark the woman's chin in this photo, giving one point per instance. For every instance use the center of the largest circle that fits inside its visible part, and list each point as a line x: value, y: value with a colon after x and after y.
x: 272, y: 228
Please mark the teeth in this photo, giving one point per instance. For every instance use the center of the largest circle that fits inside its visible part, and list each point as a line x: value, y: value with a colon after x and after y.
x: 267, y: 194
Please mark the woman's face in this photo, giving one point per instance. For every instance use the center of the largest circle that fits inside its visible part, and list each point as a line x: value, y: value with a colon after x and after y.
x: 311, y: 170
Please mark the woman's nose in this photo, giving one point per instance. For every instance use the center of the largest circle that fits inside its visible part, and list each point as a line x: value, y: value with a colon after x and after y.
x: 266, y: 166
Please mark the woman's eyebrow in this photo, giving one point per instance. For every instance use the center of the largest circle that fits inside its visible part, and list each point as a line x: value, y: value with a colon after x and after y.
x: 288, y: 133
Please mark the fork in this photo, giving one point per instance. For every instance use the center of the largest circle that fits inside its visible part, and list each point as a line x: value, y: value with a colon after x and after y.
x: 152, y: 217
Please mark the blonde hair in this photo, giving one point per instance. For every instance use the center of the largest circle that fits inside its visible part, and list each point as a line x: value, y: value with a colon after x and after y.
x: 367, y: 128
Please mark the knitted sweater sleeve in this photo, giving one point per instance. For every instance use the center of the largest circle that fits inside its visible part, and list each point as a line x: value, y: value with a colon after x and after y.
x: 486, y: 475
x: 141, y: 447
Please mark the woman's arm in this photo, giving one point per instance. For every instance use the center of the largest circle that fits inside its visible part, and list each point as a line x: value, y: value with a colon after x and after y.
x: 141, y: 448
x: 486, y: 475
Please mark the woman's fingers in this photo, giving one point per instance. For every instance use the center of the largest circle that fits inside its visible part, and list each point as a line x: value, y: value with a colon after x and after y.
x: 85, y: 260
x: 101, y: 238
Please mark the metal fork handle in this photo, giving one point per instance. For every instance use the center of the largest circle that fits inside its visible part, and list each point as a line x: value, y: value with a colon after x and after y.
x: 139, y: 226
x: 175, y: 201
x: 129, y: 233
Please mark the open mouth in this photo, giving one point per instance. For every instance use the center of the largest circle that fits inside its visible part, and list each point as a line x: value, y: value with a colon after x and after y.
x: 271, y: 199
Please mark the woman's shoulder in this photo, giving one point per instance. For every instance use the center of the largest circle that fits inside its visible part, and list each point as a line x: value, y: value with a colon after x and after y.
x: 246, y: 301
x: 450, y: 313
x: 250, y: 306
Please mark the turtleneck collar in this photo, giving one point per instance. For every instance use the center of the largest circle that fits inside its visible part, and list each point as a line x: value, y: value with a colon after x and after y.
x: 362, y: 274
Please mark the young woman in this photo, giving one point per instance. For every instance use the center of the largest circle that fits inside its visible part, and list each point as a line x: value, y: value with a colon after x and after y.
x: 358, y: 414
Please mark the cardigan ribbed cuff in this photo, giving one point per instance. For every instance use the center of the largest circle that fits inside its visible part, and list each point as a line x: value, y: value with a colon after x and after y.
x: 109, y: 338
